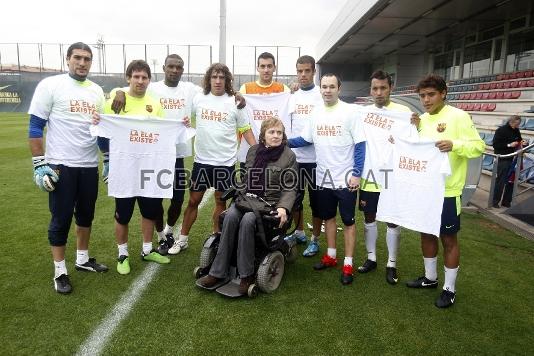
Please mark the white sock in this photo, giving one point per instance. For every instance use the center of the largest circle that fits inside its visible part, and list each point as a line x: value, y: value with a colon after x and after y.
x: 450, y: 279
x: 314, y: 238
x: 147, y: 247
x: 347, y: 261
x: 183, y: 237
x: 168, y: 229
x: 82, y: 256
x: 161, y: 235
x: 431, y: 272
x: 123, y: 249
x: 331, y: 252
x: 370, y: 232
x: 59, y: 268
x: 392, y: 240
x: 299, y: 232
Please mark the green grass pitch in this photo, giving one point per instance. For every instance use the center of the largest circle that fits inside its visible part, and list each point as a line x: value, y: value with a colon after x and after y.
x: 310, y: 314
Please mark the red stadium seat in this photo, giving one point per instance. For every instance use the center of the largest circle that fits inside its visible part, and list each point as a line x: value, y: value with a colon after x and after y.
x: 481, y: 87
x: 499, y: 85
x: 472, y: 96
x: 493, y: 86
x: 484, y: 107
x: 470, y: 106
x: 477, y: 107
x: 506, y: 85
x: 485, y: 95
x: 530, y: 83
x: 486, y: 86
x: 492, y: 95
x: 491, y: 106
x: 515, y: 94
x: 507, y: 95
x: 513, y: 84
x: 528, y: 73
x: 500, y: 77
x: 510, y: 76
x: 519, y: 74
x: 500, y: 95
x: 522, y: 84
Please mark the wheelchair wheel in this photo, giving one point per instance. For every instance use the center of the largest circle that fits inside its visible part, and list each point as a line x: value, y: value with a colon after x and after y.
x: 270, y: 272
x: 291, y: 256
x: 252, y: 291
x: 207, y: 255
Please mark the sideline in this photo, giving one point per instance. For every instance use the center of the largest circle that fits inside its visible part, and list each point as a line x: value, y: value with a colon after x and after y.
x: 95, y: 343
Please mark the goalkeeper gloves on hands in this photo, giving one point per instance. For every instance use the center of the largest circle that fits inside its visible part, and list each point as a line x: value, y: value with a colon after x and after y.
x: 44, y: 176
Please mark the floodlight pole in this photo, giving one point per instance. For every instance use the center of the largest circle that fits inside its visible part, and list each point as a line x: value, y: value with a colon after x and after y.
x: 222, y: 32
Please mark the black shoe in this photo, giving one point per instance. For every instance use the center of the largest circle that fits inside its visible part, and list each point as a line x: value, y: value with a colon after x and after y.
x: 496, y: 205
x: 446, y: 299
x: 391, y: 275
x: 62, y: 284
x: 506, y: 205
x: 422, y: 282
x: 346, y: 275
x: 91, y: 266
x: 368, y: 266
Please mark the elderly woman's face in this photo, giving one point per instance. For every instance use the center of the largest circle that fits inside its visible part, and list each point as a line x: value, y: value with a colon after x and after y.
x: 274, y: 136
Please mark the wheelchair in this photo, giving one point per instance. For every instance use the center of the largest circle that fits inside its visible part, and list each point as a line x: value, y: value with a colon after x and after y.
x: 269, y: 262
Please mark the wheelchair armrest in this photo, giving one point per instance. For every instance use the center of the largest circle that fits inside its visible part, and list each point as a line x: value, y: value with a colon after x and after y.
x: 230, y: 193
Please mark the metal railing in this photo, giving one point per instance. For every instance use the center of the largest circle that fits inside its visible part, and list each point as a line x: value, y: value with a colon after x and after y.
x: 518, y: 171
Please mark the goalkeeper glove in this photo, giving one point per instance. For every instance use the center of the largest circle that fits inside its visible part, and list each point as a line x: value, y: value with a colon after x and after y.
x: 44, y: 176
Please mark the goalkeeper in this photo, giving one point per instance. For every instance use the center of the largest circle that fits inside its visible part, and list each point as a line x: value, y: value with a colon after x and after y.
x: 68, y: 168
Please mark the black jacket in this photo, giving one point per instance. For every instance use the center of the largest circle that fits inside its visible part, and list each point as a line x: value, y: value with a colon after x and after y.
x: 503, y: 136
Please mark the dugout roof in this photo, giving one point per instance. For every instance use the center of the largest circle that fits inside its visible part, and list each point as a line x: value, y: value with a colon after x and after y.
x: 368, y: 29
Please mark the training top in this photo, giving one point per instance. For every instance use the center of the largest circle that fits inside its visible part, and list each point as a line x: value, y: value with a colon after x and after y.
x: 413, y: 196
x: 454, y: 124
x: 379, y: 124
x: 334, y: 130
x: 260, y: 108
x: 301, y: 106
x: 217, y: 120
x: 141, y: 155
x: 68, y: 105
x: 257, y: 88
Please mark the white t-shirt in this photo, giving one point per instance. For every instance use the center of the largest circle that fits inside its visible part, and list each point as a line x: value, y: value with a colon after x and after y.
x: 177, y: 104
x: 379, y: 125
x: 259, y: 108
x: 217, y: 121
x: 413, y: 195
x: 68, y: 105
x: 334, y: 131
x: 141, y: 155
x: 301, y: 105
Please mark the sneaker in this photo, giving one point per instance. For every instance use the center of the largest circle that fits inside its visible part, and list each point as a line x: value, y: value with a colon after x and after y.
x: 346, y: 275
x: 166, y: 244
x: 368, y: 266
x: 245, y: 283
x: 91, y: 266
x: 154, y: 256
x: 446, y: 299
x: 62, y: 284
x: 179, y: 245
x: 326, y: 262
x: 301, y: 238
x: 312, y: 249
x: 422, y: 282
x: 391, y: 275
x: 123, y: 264
x: 209, y: 281
x: 291, y: 240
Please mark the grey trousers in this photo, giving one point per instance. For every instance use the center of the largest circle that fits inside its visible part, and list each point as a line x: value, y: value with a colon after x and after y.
x: 245, y: 225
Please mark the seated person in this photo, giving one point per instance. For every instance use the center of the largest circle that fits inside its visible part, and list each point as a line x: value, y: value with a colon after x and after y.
x: 271, y: 174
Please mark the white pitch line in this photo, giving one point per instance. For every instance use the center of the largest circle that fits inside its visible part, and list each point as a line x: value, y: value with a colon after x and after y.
x: 95, y: 343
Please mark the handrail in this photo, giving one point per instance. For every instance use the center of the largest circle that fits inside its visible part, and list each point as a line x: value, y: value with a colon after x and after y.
x: 518, y: 171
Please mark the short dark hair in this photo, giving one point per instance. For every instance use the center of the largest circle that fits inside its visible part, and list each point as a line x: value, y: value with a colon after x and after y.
x: 266, y: 55
x: 432, y: 81
x: 514, y: 118
x: 138, y: 65
x: 218, y: 67
x: 306, y: 59
x: 174, y: 56
x: 331, y: 75
x: 78, y: 45
x: 381, y: 75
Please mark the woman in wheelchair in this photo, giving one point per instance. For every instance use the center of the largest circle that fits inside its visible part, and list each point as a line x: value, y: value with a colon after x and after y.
x: 271, y: 172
